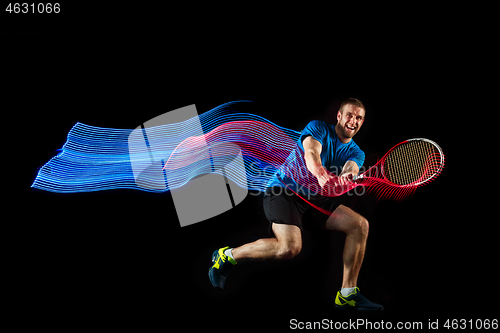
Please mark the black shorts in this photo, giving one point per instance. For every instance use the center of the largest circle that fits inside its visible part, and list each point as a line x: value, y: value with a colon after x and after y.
x: 284, y: 207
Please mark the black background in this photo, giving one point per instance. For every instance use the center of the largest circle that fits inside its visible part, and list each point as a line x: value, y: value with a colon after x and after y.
x: 121, y: 256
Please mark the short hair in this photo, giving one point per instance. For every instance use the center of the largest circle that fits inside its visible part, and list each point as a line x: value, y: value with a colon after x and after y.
x: 353, y: 101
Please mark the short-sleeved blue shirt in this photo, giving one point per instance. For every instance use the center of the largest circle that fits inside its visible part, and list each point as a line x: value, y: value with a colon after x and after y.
x: 334, y: 154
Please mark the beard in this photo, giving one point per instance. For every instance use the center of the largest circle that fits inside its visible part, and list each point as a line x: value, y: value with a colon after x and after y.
x: 345, y: 132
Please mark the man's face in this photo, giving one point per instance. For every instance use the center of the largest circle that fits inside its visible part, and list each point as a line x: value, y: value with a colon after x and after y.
x: 350, y: 120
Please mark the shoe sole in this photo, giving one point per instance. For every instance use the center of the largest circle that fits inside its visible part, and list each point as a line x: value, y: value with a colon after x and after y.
x: 211, y: 280
x: 222, y: 278
x: 353, y: 308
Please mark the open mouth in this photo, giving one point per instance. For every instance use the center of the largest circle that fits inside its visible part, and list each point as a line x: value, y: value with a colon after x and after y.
x: 350, y: 128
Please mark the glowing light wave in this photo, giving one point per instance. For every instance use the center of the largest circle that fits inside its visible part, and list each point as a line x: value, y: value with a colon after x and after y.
x: 95, y: 159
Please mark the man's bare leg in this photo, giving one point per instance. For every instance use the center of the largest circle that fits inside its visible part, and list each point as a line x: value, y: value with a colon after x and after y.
x: 355, y: 227
x: 287, y: 244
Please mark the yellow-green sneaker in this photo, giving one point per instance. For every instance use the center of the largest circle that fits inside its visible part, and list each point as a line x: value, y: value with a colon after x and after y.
x: 220, y: 269
x: 356, y: 301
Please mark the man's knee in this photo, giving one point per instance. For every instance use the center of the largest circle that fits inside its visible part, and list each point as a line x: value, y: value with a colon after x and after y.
x: 289, y: 250
x: 362, y: 225
x: 357, y: 224
x: 289, y: 240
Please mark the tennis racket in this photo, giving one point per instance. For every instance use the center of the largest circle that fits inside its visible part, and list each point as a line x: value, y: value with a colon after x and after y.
x: 411, y: 163
x: 399, y: 172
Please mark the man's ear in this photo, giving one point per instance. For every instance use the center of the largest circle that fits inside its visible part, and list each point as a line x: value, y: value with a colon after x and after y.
x: 339, y: 115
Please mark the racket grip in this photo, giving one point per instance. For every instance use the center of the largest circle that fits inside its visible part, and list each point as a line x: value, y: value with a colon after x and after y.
x: 358, y: 177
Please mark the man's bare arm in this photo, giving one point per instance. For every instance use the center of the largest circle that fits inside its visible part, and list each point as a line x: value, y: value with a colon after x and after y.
x: 349, y: 170
x: 312, y: 156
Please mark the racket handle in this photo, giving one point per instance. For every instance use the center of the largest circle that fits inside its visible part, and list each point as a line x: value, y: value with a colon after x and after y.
x: 354, y: 178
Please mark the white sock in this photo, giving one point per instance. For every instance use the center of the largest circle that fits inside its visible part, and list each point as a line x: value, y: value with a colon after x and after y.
x: 229, y: 253
x: 346, y: 291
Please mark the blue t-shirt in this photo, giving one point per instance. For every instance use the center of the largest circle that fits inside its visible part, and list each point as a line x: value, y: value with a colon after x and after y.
x: 334, y: 154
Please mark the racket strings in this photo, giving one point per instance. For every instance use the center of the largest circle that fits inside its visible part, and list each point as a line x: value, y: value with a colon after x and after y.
x: 412, y: 162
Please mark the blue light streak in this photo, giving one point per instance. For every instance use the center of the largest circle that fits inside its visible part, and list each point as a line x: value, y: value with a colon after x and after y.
x: 97, y: 159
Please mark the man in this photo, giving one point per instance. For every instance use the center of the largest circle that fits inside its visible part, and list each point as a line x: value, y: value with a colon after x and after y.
x: 326, y: 149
